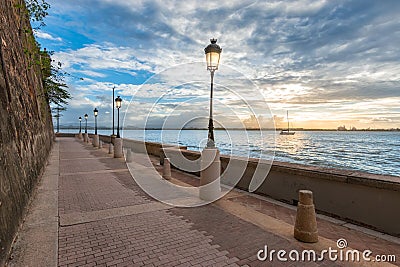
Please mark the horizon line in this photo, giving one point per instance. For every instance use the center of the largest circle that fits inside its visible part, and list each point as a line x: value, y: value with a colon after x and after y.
x: 231, y: 128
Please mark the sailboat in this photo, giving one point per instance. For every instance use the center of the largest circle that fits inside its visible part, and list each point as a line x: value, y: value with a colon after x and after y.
x: 287, y: 131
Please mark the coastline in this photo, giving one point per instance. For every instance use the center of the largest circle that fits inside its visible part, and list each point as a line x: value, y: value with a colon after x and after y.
x: 233, y: 129
x: 356, y: 151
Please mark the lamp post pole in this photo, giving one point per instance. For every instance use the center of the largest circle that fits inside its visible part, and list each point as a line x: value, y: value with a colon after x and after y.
x: 210, y: 139
x: 58, y: 119
x: 118, y: 136
x: 212, y: 52
x: 86, y: 117
x: 113, y: 112
x: 118, y: 102
x: 96, y: 112
x: 95, y: 137
x: 210, y: 186
x: 80, y: 128
x: 86, y: 137
x: 118, y: 151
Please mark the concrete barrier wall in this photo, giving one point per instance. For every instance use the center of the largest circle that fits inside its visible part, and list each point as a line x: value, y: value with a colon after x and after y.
x: 137, y: 146
x: 357, y: 197
x: 150, y: 148
x: 361, y: 198
x: 66, y: 134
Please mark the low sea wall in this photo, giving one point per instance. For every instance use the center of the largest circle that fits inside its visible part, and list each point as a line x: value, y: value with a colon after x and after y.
x: 357, y: 197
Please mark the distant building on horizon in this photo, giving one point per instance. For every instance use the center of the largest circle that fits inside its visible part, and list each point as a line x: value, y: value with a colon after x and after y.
x: 342, y: 128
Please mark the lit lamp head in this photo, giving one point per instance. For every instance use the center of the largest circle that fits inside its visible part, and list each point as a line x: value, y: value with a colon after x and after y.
x: 118, y: 102
x: 80, y: 118
x: 213, y: 52
x: 86, y: 116
x: 96, y: 112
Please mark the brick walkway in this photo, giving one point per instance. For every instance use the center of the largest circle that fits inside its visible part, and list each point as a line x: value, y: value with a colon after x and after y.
x: 141, y: 237
x: 107, y: 220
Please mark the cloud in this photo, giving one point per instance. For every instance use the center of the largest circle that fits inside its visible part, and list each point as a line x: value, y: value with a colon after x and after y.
x: 91, y: 73
x: 98, y: 57
x: 44, y: 35
x: 311, y: 56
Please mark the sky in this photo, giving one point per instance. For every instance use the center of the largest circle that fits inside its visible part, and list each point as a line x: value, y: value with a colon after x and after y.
x: 328, y: 63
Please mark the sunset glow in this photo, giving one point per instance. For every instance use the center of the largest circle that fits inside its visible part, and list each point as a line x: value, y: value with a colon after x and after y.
x: 330, y: 63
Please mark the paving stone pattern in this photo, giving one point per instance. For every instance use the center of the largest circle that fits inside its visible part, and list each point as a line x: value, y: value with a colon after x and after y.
x: 157, y: 238
x: 203, y: 236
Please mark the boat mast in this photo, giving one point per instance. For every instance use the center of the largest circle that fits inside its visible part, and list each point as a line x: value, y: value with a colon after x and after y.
x: 287, y: 116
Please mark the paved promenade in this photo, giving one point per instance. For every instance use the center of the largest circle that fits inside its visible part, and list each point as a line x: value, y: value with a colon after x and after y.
x: 88, y: 211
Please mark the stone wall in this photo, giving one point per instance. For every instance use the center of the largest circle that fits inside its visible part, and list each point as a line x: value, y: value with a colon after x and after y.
x: 26, y: 128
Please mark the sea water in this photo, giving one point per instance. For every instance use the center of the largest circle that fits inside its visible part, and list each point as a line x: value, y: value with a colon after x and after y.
x: 369, y: 151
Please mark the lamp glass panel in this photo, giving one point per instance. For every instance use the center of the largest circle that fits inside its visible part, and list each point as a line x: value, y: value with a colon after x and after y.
x: 212, y: 60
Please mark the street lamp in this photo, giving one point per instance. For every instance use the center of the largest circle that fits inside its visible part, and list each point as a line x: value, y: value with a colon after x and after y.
x: 86, y: 117
x: 96, y: 112
x: 80, y: 124
x: 212, y: 52
x: 118, y: 102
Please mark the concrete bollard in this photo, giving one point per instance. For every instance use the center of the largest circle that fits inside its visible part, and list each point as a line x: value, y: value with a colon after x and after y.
x: 167, y: 169
x: 100, y: 144
x: 210, y: 185
x: 95, y: 140
x: 128, y: 156
x: 80, y: 136
x: 110, y: 149
x: 118, y: 152
x: 86, y: 138
x: 305, y: 228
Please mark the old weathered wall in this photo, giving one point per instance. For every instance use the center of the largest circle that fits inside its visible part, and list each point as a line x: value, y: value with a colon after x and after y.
x: 25, y: 119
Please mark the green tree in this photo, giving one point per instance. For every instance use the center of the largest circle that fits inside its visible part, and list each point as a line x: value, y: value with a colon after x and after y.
x: 37, y: 10
x: 55, y: 89
x: 53, y: 80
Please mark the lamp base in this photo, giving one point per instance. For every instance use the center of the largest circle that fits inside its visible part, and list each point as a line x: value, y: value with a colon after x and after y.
x: 118, y: 151
x: 96, y: 140
x: 210, y: 184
